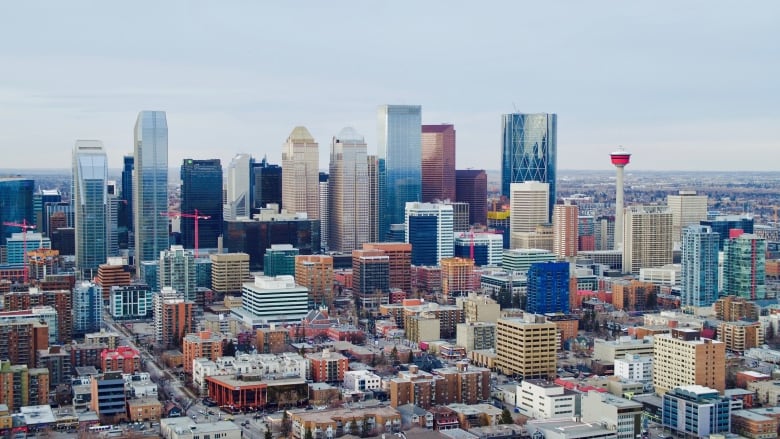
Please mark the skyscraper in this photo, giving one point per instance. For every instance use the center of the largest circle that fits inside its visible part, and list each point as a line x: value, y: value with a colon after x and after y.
x: 438, y: 162
x: 16, y: 205
x: 548, y: 288
x: 201, y: 192
x: 565, y: 228
x: 400, y: 161
x: 529, y: 151
x: 647, y: 238
x: 429, y: 230
x: 238, y: 188
x: 528, y: 208
x: 687, y: 208
x: 266, y: 184
x: 150, y: 185
x: 126, y: 220
x: 87, y: 308
x: 699, y: 266
x: 373, y: 198
x: 744, y: 266
x: 349, y: 198
x: 300, y: 173
x: 90, y: 204
x: 322, y: 190
x: 177, y: 271
x: 471, y: 187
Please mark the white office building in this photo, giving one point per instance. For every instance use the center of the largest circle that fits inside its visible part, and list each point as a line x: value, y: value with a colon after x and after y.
x: 542, y: 399
x: 273, y: 300
x: 635, y: 367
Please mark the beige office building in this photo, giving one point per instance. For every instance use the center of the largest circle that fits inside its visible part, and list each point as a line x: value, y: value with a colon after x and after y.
x: 527, y: 346
x: 565, y: 222
x: 528, y: 206
x: 683, y: 358
x: 348, y: 197
x: 687, y: 208
x: 229, y: 271
x: 647, y: 238
x: 301, y: 175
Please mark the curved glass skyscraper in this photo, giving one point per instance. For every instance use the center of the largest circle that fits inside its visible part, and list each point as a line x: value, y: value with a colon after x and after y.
x: 529, y: 150
x: 399, y: 152
x: 150, y: 185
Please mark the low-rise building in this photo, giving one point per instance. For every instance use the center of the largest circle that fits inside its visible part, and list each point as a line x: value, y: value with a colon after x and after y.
x: 144, y: 409
x: 635, y: 367
x: 475, y: 415
x: 122, y: 359
x: 617, y: 414
x: 542, y: 399
x: 752, y: 425
x: 327, y: 366
x: 361, y: 380
x: 336, y: 422
x: 696, y: 410
x: 186, y: 428
x: 203, y: 344
x: 414, y: 416
x: 567, y: 429
x: 608, y: 351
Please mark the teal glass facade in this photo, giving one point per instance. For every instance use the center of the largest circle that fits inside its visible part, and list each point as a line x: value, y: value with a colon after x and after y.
x: 529, y: 151
x: 16, y: 205
x: 150, y: 185
x: 744, y: 267
x: 399, y: 152
x: 699, y: 266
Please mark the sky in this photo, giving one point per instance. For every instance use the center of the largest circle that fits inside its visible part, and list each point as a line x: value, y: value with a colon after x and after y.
x: 690, y: 85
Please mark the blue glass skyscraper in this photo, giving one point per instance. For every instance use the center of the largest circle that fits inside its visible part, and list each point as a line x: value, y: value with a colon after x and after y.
x: 16, y: 205
x: 201, y: 190
x: 399, y: 152
x: 126, y: 214
x: 150, y: 185
x: 699, y: 266
x: 529, y: 150
x: 89, y: 198
x: 548, y: 288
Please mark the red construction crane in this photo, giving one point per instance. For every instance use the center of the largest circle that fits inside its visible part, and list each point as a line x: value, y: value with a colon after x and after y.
x: 25, y: 227
x: 195, y: 215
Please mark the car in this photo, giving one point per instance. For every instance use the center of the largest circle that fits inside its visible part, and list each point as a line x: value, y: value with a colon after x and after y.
x: 194, y: 416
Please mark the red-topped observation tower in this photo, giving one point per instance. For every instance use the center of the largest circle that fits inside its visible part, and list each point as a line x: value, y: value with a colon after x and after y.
x: 620, y: 159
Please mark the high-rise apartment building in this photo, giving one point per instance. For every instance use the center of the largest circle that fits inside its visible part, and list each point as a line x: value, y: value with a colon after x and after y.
x: 315, y: 272
x: 349, y: 200
x: 177, y: 271
x: 201, y: 194
x: 724, y: 224
x: 687, y: 208
x: 400, y: 263
x: 529, y: 152
x: 744, y: 266
x: 429, y: 229
x: 471, y: 187
x: 267, y: 184
x: 173, y: 317
x: 457, y: 278
x: 548, y: 288
x: 114, y: 272
x: 399, y: 152
x: 150, y: 185
x: 528, y: 205
x: 699, y: 266
x: 113, y: 203
x: 647, y: 238
x: 300, y: 175
x: 87, y: 308
x: 526, y: 347
x: 438, y: 163
x: 237, y: 188
x: 683, y: 358
x: 16, y: 204
x: 565, y: 228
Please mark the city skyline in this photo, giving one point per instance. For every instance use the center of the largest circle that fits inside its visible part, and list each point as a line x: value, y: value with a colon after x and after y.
x: 636, y: 75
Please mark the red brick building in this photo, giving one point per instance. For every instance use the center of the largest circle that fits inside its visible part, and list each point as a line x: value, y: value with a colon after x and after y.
x: 123, y: 359
x: 327, y: 366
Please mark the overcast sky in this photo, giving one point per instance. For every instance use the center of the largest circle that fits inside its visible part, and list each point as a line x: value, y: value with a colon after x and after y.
x: 683, y: 85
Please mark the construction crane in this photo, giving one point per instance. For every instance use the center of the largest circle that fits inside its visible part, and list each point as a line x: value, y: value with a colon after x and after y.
x: 25, y: 227
x: 195, y: 215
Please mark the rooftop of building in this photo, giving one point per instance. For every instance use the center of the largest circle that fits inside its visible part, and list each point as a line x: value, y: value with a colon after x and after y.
x: 571, y: 428
x: 751, y: 415
x: 235, y: 382
x: 37, y: 414
x: 182, y: 424
x: 324, y: 416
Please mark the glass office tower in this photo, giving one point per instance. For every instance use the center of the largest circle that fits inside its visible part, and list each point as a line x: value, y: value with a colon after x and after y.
x: 90, y: 202
x: 16, y: 205
x: 399, y: 150
x: 529, y: 150
x: 201, y: 190
x: 266, y: 182
x: 150, y: 185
